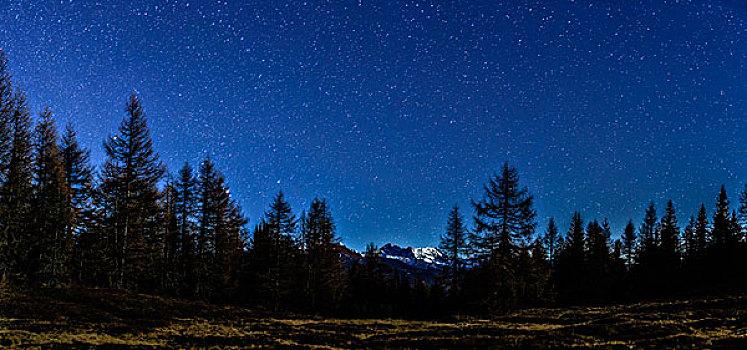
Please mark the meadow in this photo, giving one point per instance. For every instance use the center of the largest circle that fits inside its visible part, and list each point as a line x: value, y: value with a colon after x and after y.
x: 83, y: 318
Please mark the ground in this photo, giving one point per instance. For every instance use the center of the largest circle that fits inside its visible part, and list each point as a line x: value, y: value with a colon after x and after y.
x: 85, y: 318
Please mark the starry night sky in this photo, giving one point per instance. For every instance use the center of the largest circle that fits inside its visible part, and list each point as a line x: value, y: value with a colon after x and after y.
x: 395, y: 111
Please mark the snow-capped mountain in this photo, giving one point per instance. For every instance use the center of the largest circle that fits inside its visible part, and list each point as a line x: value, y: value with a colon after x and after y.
x: 424, y: 258
x: 424, y: 264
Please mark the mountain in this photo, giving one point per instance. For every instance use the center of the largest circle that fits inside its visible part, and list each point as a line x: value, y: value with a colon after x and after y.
x: 419, y: 258
x: 425, y: 263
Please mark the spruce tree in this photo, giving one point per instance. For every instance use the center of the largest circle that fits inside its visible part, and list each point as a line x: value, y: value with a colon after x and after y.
x: 79, y: 180
x: 722, y: 234
x: 689, y: 242
x: 552, y: 240
x: 129, y: 197
x: 571, y: 268
x: 273, y: 255
x: 454, y: 246
x: 538, y: 286
x: 7, y: 108
x: 649, y: 243
x: 52, y: 242
x: 186, y: 212
x: 597, y: 261
x: 629, y: 244
x: 702, y: 232
x: 213, y: 203
x: 170, y: 278
x: 670, y: 233
x: 504, y: 223
x: 231, y: 244
x: 323, y: 270
x: 18, y: 195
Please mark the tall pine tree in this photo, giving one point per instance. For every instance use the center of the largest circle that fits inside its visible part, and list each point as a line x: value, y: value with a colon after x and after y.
x: 323, y: 273
x: 52, y: 242
x: 454, y: 246
x: 79, y: 180
x: 504, y: 223
x: 18, y: 196
x: 129, y: 193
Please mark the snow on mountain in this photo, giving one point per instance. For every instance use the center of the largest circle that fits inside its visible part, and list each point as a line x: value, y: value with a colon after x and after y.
x: 426, y: 257
x: 430, y: 255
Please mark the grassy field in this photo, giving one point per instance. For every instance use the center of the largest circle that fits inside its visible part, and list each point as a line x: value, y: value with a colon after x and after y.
x: 87, y: 318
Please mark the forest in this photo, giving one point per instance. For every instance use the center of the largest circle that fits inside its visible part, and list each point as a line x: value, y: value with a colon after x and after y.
x: 128, y: 225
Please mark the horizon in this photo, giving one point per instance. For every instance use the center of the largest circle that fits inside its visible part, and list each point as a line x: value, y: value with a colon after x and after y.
x: 406, y: 122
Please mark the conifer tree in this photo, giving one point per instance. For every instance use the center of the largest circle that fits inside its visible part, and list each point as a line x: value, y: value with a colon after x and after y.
x: 649, y: 245
x: 323, y: 270
x: 231, y: 245
x: 6, y: 112
x: 629, y: 244
x: 18, y: 196
x: 552, y: 240
x: 274, y: 255
x: 79, y: 180
x: 504, y: 223
x: 7, y: 108
x: 129, y: 197
x: 702, y: 233
x: 597, y: 260
x: 538, y: 287
x: 570, y: 269
x: 213, y: 204
x: 670, y: 233
x: 689, y: 242
x: 722, y: 234
x: 649, y: 231
x: 454, y: 245
x: 170, y: 278
x: 186, y: 212
x: 51, y: 243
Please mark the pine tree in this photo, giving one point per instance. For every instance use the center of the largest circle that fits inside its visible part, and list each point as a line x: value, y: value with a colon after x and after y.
x: 689, y: 242
x: 540, y: 273
x: 669, y: 235
x: 231, y: 244
x: 504, y: 223
x: 52, y: 242
x: 79, y: 180
x: 649, y: 242
x: 722, y: 233
x: 552, y: 240
x: 18, y: 196
x: 571, y: 268
x: 213, y: 203
x: 7, y: 108
x: 129, y: 197
x: 597, y: 260
x: 170, y: 278
x: 454, y: 245
x: 323, y: 270
x: 186, y: 212
x: 274, y: 254
x: 629, y: 244
x: 702, y: 233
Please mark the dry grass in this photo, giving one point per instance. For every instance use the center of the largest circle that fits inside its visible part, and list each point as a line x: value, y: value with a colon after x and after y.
x: 91, y: 318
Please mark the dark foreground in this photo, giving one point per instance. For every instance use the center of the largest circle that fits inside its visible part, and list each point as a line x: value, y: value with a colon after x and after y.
x: 86, y: 318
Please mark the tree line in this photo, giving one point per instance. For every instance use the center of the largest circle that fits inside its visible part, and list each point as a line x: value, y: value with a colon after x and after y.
x: 512, y: 265
x: 131, y: 225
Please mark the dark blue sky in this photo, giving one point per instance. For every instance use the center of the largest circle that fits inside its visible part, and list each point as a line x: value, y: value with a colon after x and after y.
x: 395, y: 111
